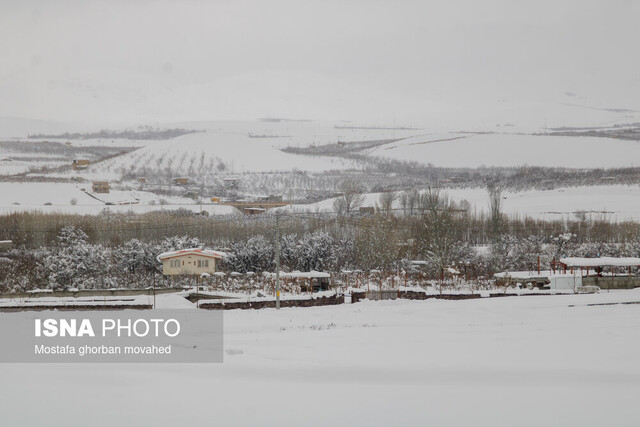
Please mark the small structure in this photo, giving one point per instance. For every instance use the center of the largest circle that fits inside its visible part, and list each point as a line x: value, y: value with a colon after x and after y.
x: 231, y: 183
x: 271, y: 198
x: 254, y: 211
x: 538, y: 280
x: 418, y: 265
x: 181, y: 181
x: 367, y: 210
x: 80, y: 164
x: 575, y: 273
x: 622, y: 279
x: 100, y: 186
x: 313, y: 281
x: 142, y: 180
x: 192, y: 261
x: 6, y: 245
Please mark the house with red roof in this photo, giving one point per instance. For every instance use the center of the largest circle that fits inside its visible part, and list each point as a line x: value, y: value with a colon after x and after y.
x: 192, y: 261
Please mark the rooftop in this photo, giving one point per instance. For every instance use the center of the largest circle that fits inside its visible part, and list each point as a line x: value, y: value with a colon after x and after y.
x: 191, y: 251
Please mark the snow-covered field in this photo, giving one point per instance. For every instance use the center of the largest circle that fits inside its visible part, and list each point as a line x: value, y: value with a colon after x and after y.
x: 235, y: 147
x: 33, y: 196
x: 496, y: 362
x: 476, y: 150
x: 245, y: 146
x: 612, y: 202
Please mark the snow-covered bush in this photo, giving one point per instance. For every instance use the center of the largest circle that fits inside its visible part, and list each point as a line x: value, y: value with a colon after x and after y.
x: 74, y: 260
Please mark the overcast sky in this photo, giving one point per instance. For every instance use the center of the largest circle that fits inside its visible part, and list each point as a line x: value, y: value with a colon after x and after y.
x: 367, y: 60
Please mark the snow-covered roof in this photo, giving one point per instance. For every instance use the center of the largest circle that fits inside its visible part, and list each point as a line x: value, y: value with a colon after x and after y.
x: 527, y: 274
x: 191, y: 251
x: 601, y: 262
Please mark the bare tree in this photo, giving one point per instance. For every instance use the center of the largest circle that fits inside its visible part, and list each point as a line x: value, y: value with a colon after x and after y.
x: 495, y: 210
x: 350, y: 199
x: 386, y: 201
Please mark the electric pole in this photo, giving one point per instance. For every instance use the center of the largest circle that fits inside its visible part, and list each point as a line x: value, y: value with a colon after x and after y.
x: 277, y: 260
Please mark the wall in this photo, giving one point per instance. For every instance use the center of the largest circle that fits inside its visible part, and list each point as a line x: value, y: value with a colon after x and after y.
x: 615, y: 282
x: 190, y: 265
x: 271, y: 303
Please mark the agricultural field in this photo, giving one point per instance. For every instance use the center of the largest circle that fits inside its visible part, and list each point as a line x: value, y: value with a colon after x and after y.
x: 473, y: 150
x: 306, y: 162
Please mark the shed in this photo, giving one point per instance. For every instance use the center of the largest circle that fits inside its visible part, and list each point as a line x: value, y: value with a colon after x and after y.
x: 316, y: 280
x: 623, y: 278
x: 231, y: 183
x: 181, y: 181
x: 367, y: 210
x: 80, y: 164
x: 100, y: 186
x: 6, y: 245
x: 254, y: 211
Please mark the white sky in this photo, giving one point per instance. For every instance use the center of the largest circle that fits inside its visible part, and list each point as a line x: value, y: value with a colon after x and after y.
x: 367, y: 60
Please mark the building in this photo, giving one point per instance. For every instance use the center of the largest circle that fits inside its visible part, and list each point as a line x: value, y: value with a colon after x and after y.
x: 181, y: 181
x: 367, y: 210
x: 80, y: 164
x: 6, y: 245
x: 231, y: 183
x: 254, y: 210
x: 578, y: 274
x: 100, y: 186
x: 309, y: 281
x: 193, y: 261
x: 603, y: 272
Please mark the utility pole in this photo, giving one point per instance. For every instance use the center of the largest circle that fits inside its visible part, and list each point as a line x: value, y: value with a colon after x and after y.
x: 277, y: 260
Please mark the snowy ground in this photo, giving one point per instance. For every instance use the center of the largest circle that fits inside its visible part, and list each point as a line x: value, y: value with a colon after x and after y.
x: 476, y: 150
x: 502, y: 361
x: 34, y: 196
x: 613, y: 202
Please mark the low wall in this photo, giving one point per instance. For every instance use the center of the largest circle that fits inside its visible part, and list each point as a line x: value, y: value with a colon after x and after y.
x: 91, y: 293
x: 422, y: 295
x: 75, y: 307
x: 228, y: 304
x: 615, y: 282
x: 193, y: 297
x: 413, y: 295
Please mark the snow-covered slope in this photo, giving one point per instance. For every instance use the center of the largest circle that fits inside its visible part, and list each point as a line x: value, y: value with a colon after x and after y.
x: 244, y: 146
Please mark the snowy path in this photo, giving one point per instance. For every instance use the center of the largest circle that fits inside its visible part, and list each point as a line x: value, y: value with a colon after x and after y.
x: 500, y: 361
